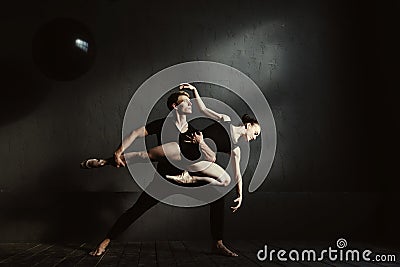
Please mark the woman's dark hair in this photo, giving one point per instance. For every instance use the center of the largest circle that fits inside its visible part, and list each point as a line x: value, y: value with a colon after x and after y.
x: 247, y: 119
x: 173, y: 98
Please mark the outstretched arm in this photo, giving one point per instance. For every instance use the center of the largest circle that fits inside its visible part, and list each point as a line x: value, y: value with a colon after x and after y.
x: 238, y: 177
x: 203, y: 109
x: 139, y: 132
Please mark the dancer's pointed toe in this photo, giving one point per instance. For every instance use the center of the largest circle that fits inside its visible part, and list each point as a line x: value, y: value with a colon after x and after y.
x: 184, y: 178
x: 92, y: 163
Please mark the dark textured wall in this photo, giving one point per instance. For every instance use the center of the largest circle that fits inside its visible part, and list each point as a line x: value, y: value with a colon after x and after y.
x: 326, y: 69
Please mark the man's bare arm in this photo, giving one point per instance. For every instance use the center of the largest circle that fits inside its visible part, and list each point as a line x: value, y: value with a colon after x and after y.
x: 139, y: 132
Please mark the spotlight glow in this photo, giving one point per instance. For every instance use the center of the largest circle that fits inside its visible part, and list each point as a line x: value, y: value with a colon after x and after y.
x: 82, y: 44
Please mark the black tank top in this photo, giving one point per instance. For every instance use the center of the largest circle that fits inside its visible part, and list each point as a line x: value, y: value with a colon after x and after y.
x: 220, y: 133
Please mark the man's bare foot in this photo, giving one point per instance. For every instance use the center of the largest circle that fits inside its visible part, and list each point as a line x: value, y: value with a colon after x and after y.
x: 93, y: 163
x: 101, y: 248
x: 219, y: 248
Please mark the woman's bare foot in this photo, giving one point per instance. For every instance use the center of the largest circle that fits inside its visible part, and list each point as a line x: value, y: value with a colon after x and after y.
x: 101, y: 248
x: 93, y: 163
x: 219, y: 248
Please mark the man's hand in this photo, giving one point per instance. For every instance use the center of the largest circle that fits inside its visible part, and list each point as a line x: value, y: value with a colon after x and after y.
x: 118, y: 160
x: 239, y: 203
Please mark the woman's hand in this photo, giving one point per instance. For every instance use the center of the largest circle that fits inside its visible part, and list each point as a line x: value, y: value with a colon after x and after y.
x: 239, y: 203
x: 195, y: 138
x: 202, y: 107
x: 187, y: 86
x: 198, y: 138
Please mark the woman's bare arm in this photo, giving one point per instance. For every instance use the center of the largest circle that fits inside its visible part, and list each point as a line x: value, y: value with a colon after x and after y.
x: 235, y: 155
x: 202, y: 107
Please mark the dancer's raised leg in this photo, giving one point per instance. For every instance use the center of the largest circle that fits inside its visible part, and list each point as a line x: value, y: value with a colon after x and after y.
x: 170, y: 150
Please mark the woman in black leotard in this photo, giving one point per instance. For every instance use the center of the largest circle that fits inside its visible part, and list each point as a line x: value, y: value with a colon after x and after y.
x: 226, y: 137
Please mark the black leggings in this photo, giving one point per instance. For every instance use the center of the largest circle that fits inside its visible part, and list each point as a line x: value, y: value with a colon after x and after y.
x: 145, y: 202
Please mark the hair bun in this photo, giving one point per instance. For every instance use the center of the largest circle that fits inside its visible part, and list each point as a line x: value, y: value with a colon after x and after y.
x: 247, y: 119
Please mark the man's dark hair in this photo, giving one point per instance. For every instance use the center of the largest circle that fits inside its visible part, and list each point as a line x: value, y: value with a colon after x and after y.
x: 173, y: 99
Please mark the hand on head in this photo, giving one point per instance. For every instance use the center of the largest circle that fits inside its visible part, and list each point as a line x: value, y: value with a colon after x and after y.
x: 186, y: 86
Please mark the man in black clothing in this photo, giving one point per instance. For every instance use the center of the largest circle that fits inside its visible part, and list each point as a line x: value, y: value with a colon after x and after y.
x: 181, y: 106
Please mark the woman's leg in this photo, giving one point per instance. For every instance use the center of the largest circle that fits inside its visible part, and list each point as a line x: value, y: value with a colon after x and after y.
x: 170, y: 150
x: 213, y: 173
